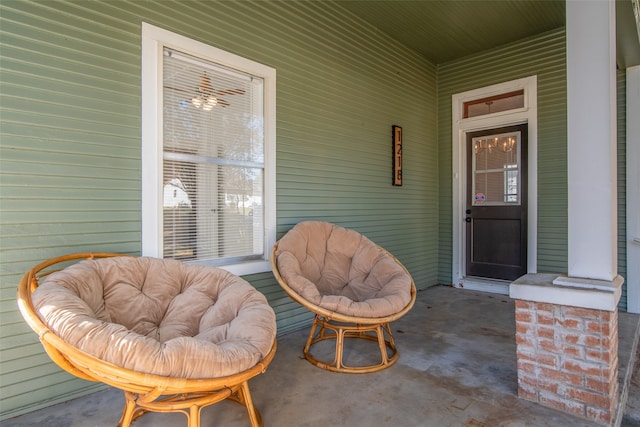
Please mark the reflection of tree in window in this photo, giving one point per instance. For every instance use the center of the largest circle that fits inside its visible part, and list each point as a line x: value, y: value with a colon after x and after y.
x: 179, y: 210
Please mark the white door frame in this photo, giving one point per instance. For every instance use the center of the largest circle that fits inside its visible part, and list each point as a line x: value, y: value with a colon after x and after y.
x: 460, y: 127
x: 633, y: 195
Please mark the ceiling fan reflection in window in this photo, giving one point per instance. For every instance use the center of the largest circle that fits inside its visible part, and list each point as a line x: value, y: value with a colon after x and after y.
x: 205, y: 97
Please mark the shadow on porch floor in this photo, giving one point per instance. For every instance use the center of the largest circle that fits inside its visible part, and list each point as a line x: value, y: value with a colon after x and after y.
x: 457, y: 367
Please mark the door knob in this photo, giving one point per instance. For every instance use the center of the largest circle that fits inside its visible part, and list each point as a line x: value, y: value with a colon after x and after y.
x: 467, y: 219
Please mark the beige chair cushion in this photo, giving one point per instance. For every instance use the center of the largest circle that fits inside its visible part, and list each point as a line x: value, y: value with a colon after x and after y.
x: 342, y: 271
x: 159, y: 316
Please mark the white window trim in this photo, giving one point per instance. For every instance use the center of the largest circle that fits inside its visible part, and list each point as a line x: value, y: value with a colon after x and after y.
x: 460, y: 127
x: 633, y: 195
x: 153, y: 41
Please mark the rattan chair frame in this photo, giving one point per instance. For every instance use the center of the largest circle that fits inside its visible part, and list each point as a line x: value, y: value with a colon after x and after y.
x: 332, y: 325
x: 143, y: 392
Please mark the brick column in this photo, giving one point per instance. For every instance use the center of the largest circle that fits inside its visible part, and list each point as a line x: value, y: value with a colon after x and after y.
x: 567, y: 345
x: 568, y: 358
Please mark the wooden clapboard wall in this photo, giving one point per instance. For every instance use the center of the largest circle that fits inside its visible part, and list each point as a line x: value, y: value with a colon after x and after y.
x: 70, y: 131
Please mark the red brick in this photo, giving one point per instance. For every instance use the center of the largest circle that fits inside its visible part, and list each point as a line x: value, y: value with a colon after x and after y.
x: 546, y: 332
x: 582, y: 312
x: 550, y: 386
x: 537, y: 358
x: 599, y: 356
x: 592, y: 341
x: 528, y: 380
x: 563, y: 377
x: 552, y: 401
x: 611, y: 373
x: 524, y: 328
x: 573, y: 338
x: 524, y: 316
x: 523, y: 354
x: 598, y: 328
x: 544, y: 319
x: 573, y: 351
x: 598, y: 385
x: 527, y: 367
x: 550, y: 360
x: 523, y: 340
x: 612, y: 343
x: 565, y: 405
x: 523, y: 304
x: 527, y: 393
x: 544, y: 306
x: 552, y: 374
x: 575, y: 408
x: 548, y: 345
x: 582, y: 367
x: 573, y: 324
x: 594, y: 327
x: 602, y: 416
x: 588, y: 397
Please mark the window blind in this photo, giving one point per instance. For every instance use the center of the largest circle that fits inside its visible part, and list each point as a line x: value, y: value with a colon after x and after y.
x: 213, y: 161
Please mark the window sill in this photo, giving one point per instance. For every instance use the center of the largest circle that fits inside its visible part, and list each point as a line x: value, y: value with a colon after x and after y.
x: 242, y: 269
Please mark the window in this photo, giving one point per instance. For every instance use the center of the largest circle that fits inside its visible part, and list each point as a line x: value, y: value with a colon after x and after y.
x: 208, y: 182
x: 496, y: 165
x: 494, y: 104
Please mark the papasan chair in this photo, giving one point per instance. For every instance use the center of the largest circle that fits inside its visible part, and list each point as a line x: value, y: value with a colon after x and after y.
x: 354, y: 287
x: 174, y: 337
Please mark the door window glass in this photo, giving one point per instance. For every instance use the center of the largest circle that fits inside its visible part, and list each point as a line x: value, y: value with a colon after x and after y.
x: 496, y: 169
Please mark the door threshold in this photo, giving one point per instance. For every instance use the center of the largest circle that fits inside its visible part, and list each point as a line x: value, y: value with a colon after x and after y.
x: 483, y: 284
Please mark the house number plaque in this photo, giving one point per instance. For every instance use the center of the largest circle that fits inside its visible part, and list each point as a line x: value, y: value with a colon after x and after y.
x: 397, y: 155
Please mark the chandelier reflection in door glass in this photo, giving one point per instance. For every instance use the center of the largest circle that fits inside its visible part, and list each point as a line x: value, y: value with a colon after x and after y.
x: 505, y: 144
x: 496, y: 169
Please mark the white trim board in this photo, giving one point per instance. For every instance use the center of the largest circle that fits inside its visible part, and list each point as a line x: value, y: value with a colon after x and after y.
x: 480, y: 284
x: 633, y: 195
x: 460, y: 127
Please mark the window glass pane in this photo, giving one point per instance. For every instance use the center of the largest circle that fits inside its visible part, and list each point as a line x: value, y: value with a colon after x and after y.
x: 213, y: 150
x: 496, y: 166
x: 494, y: 104
x: 179, y: 209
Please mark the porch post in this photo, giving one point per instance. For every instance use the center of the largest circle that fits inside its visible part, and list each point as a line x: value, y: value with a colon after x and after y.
x: 591, y: 131
x: 567, y: 326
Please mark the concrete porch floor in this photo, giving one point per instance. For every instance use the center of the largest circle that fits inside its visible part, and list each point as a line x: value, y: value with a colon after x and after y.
x: 457, y: 367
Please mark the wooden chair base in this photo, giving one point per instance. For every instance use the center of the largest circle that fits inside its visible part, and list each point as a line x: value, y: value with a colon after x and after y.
x: 325, y: 329
x: 137, y: 404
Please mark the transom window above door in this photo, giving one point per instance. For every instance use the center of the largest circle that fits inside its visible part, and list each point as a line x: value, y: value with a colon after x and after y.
x: 494, y: 104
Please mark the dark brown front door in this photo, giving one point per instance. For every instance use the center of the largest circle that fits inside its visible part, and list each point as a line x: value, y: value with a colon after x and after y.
x: 496, y: 208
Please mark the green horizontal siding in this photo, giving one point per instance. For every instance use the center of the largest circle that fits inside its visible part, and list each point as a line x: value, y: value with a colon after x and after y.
x: 70, y: 142
x: 544, y: 56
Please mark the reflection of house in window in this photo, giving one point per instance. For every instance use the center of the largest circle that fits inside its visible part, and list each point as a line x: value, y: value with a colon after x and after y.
x: 179, y: 214
x: 511, y: 184
x: 175, y: 195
